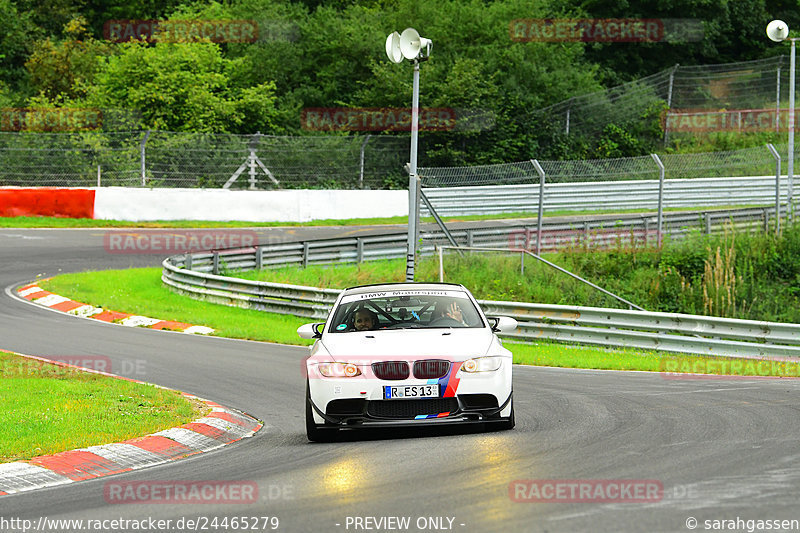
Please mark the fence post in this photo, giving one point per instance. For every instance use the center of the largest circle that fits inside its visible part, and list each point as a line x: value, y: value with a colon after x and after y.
x: 540, y: 212
x: 661, y: 173
x: 361, y: 172
x: 669, y: 102
x: 777, y: 157
x: 98, y: 175
x: 142, y: 156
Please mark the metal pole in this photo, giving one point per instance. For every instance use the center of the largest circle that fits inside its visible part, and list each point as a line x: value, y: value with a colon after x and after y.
x: 361, y: 173
x: 777, y: 157
x: 669, y: 101
x: 141, y: 155
x: 540, y: 212
x: 660, y: 196
x: 568, y: 110
x: 778, y: 101
x: 790, y: 158
x: 98, y: 175
x: 441, y: 265
x: 412, y: 179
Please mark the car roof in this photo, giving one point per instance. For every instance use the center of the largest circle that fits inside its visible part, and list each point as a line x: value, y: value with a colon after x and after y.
x: 404, y: 286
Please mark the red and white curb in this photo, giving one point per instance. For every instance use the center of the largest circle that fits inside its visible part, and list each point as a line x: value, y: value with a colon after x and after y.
x: 218, y: 428
x: 32, y: 292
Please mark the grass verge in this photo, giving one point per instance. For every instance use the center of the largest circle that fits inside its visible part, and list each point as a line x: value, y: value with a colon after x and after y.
x: 47, y: 408
x: 140, y: 291
x: 59, y: 222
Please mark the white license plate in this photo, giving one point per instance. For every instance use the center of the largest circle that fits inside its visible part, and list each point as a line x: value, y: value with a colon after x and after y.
x: 410, y: 392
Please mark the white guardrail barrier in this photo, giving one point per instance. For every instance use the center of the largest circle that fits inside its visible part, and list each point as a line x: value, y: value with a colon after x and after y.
x: 197, y: 275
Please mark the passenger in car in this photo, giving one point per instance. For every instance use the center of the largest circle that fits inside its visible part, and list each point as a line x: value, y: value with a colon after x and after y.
x: 443, y: 310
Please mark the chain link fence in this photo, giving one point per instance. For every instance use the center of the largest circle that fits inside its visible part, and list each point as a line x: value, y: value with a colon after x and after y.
x: 756, y: 161
x: 169, y: 159
x: 674, y: 93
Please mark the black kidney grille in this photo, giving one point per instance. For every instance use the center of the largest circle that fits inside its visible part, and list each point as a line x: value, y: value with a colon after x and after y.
x: 431, y: 369
x: 391, y: 370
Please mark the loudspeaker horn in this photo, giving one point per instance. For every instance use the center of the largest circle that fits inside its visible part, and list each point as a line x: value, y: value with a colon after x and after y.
x: 777, y: 30
x: 411, y: 44
x: 393, y: 48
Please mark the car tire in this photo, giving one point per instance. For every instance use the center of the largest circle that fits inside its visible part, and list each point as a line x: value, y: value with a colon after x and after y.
x: 313, y: 431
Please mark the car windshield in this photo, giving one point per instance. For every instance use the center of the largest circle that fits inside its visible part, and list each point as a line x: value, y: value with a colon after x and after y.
x: 401, y: 309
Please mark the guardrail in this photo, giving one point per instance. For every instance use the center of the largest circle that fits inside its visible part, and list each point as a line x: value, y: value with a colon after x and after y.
x: 642, y: 194
x: 197, y: 275
x: 600, y: 232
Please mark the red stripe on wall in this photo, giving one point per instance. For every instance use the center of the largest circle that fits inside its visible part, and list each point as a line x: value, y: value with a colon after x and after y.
x: 51, y: 202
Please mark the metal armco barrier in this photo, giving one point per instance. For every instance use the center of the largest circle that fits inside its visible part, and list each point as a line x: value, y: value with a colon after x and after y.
x: 197, y: 275
x: 640, y: 194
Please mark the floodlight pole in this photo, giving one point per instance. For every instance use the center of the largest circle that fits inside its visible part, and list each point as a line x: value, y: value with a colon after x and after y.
x: 413, y: 180
x: 790, y: 158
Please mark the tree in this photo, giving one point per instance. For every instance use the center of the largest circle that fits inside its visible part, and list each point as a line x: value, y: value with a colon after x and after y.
x: 182, y: 87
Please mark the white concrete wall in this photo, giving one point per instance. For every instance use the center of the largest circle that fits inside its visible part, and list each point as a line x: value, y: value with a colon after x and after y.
x: 122, y: 203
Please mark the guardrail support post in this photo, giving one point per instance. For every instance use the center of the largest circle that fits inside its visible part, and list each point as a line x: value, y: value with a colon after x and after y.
x: 215, y: 264
x: 359, y: 250
x: 470, y: 238
x: 540, y: 212
x: 707, y: 218
x: 259, y: 258
x: 305, y: 254
x: 187, y: 261
x: 661, y: 173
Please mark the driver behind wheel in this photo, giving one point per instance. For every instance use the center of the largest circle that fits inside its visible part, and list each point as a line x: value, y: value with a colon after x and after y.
x: 365, y: 320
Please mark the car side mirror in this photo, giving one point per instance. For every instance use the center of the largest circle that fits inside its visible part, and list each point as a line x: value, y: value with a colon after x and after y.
x: 310, y: 331
x: 502, y: 324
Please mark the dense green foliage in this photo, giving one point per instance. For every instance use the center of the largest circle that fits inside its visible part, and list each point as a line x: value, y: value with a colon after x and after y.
x: 312, y: 54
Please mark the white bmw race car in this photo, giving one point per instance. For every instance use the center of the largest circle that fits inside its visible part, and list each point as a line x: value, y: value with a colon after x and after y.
x: 406, y: 354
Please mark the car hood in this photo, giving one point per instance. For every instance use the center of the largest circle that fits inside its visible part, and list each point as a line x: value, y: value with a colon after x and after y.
x: 454, y: 344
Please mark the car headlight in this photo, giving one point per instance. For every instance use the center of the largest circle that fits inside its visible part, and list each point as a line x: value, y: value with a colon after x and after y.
x: 481, y: 364
x: 339, y: 370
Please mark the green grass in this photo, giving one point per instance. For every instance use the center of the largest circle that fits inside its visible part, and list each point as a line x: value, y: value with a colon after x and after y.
x: 140, y: 291
x: 47, y: 409
x: 59, y: 222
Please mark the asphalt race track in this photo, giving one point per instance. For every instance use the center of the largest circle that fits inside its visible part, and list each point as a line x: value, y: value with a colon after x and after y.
x: 721, y: 449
